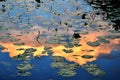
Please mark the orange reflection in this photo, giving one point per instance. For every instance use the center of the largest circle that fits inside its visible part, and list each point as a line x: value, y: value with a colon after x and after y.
x: 58, y: 49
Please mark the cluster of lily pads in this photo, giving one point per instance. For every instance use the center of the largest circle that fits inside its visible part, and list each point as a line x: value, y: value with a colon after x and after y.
x: 93, y: 69
x: 26, y: 55
x: 23, y: 69
x: 67, y: 24
x: 103, y: 39
x: 6, y: 38
x: 59, y: 39
x: 65, y: 69
x: 48, y: 50
x: 108, y: 37
x: 111, y: 8
x: 68, y: 46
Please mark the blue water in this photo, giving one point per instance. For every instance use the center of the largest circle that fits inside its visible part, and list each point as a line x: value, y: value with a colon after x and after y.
x: 43, y: 71
x: 19, y: 15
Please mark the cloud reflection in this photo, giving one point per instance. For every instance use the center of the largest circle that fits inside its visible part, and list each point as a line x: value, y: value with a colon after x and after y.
x: 58, y: 48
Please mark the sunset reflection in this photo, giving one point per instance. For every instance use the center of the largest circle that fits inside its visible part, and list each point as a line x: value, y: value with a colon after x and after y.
x: 75, y: 56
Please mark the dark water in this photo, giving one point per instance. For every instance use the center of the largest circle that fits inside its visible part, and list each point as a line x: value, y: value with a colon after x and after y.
x: 42, y: 71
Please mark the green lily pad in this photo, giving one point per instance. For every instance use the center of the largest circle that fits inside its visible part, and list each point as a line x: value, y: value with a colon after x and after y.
x: 9, y: 38
x: 67, y: 72
x: 90, y: 50
x: 112, y: 36
x: 24, y: 73
x: 87, y: 56
x: 68, y: 50
x: 19, y: 43
x: 114, y: 31
x: 47, y: 48
x: 53, y: 41
x: 83, y: 32
x: 2, y: 47
x: 24, y: 56
x: 65, y: 69
x: 101, y: 37
x: 69, y: 45
x: 104, y: 41
x: 58, y: 64
x: 50, y: 52
x: 30, y: 50
x: 58, y: 58
x: 20, y: 49
x: 24, y: 66
x: 18, y: 57
x: 77, y: 45
x: 93, y: 44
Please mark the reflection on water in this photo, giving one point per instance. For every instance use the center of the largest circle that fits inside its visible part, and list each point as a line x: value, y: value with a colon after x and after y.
x: 32, y: 30
x: 75, y: 56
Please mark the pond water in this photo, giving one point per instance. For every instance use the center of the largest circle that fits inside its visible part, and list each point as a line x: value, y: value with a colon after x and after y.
x: 57, y: 40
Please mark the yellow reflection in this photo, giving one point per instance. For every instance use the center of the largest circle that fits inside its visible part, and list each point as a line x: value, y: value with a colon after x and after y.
x: 58, y: 49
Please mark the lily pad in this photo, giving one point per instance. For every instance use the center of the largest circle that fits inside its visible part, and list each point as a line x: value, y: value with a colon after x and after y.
x: 65, y: 69
x: 83, y: 32
x: 91, y: 50
x: 93, y: 44
x: 87, y: 56
x: 114, y: 31
x: 101, y: 37
x: 18, y: 57
x: 47, y: 48
x: 9, y: 38
x: 104, y: 41
x: 69, y: 45
x: 77, y: 45
x: 68, y: 50
x: 19, y: 43
x: 67, y: 72
x: 58, y: 64
x: 2, y: 47
x: 112, y: 36
x: 24, y: 73
x: 58, y: 58
x: 24, y: 66
x: 53, y: 41
x: 20, y: 49
x: 50, y: 52
x: 26, y: 54
x: 30, y: 50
